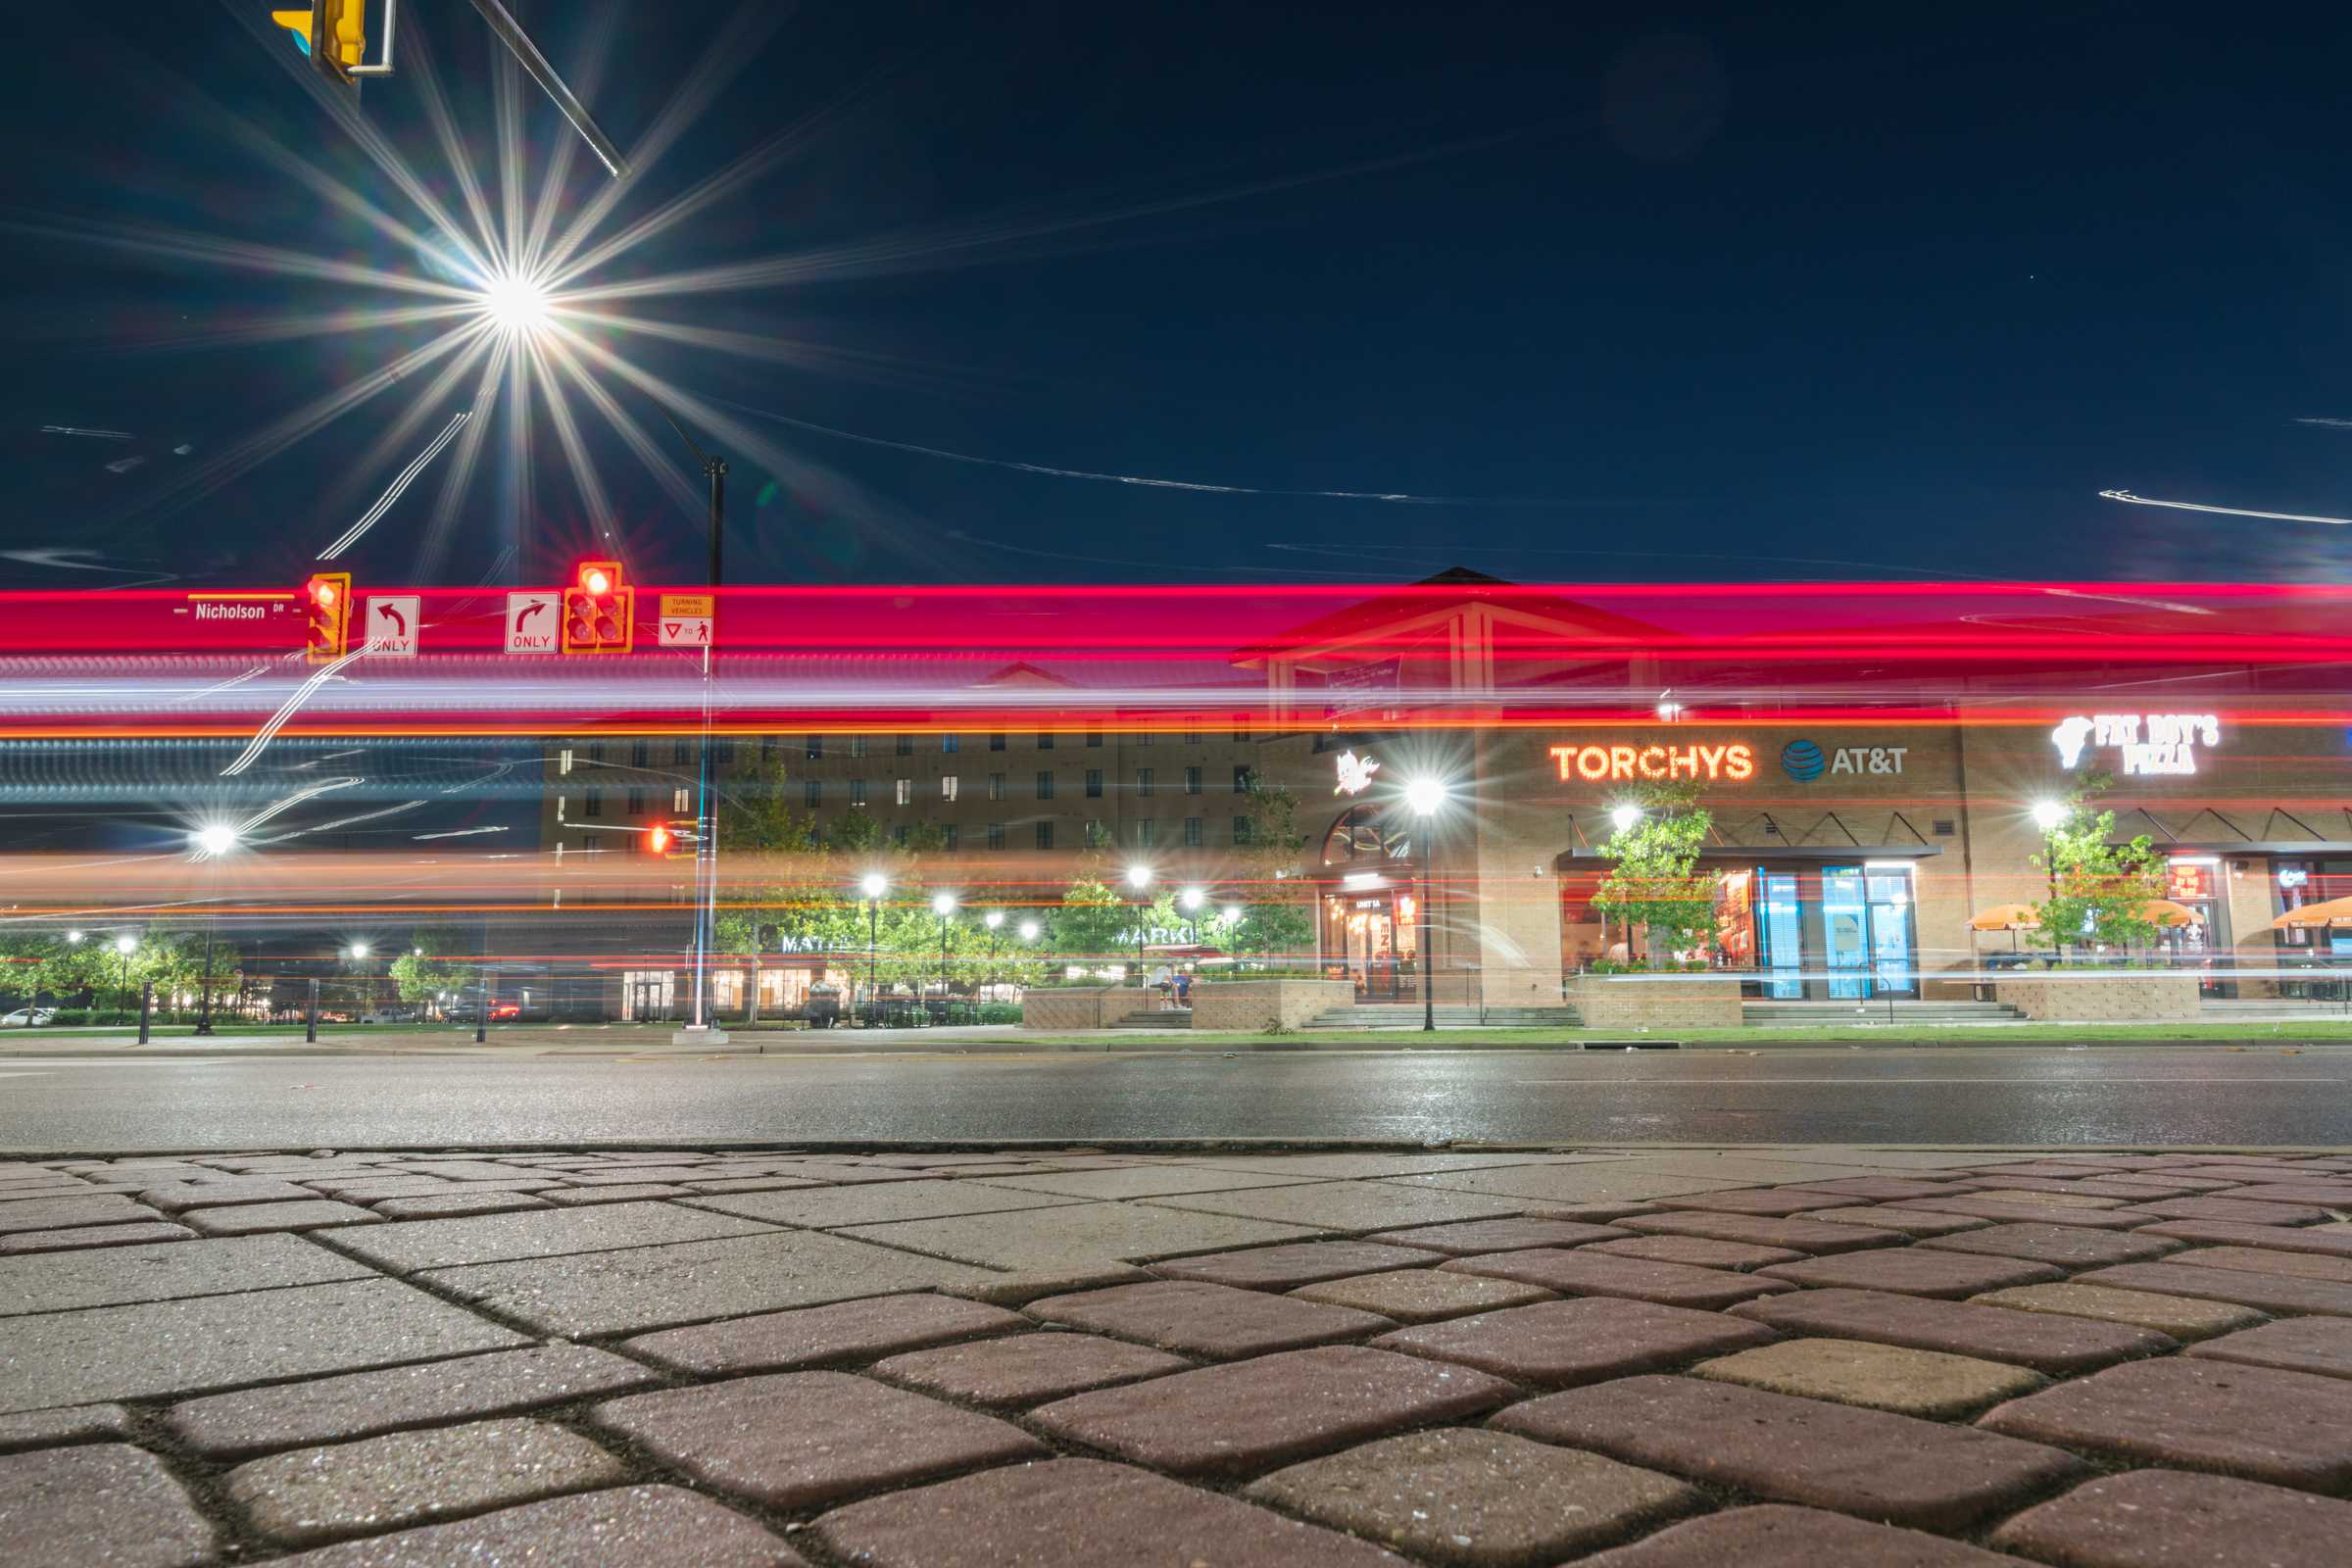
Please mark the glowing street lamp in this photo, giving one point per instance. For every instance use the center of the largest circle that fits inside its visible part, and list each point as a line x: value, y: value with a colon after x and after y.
x: 1426, y: 797
x: 2048, y: 814
x: 213, y: 839
x: 1139, y: 878
x: 873, y: 885
x: 1029, y: 930
x: 942, y: 904
x: 1623, y: 818
x: 75, y: 938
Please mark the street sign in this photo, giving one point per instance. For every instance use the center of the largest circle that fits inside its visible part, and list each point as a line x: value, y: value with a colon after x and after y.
x: 531, y: 623
x: 391, y: 625
x: 686, y: 621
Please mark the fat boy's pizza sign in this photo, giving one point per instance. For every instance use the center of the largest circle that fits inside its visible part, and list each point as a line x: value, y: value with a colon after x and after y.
x: 2144, y: 743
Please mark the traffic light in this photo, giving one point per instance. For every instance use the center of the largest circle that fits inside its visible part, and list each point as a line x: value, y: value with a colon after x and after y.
x: 332, y: 33
x: 657, y: 839
x: 600, y: 612
x: 326, y: 615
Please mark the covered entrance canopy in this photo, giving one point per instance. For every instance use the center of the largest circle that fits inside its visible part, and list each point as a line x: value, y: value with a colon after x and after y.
x: 1368, y: 910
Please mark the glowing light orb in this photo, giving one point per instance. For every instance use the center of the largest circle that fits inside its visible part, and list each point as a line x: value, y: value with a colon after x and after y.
x: 515, y: 303
x: 598, y: 583
x: 216, y: 839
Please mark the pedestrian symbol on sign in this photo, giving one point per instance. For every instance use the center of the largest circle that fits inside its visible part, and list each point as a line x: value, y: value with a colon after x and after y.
x: 685, y: 620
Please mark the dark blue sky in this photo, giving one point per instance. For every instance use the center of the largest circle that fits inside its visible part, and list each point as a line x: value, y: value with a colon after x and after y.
x: 1724, y: 292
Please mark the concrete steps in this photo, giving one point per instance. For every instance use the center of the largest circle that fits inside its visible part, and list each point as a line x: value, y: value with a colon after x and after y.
x: 2271, y: 1009
x: 1152, y: 1018
x: 1449, y: 1016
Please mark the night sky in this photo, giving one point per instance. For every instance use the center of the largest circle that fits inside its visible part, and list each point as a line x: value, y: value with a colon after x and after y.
x: 1733, y: 292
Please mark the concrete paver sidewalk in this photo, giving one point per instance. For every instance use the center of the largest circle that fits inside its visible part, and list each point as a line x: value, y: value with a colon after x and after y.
x: 1057, y: 1359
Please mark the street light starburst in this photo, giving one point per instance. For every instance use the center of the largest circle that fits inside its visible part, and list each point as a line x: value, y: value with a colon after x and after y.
x: 516, y: 303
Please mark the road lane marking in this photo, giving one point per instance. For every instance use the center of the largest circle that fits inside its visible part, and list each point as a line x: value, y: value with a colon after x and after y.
x: 1887, y: 1083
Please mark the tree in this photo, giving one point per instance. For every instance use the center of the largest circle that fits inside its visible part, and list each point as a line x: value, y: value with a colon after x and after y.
x: 443, y: 962
x: 1275, y: 921
x: 1094, y: 923
x: 2099, y: 891
x: 1655, y: 883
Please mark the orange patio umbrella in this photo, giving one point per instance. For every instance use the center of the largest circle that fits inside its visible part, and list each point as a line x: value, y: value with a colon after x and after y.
x: 2165, y: 912
x: 2009, y: 917
x: 2325, y: 913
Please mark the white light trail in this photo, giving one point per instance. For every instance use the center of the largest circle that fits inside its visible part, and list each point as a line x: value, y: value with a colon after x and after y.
x: 459, y: 833
x: 278, y: 720
x: 384, y: 503
x: 75, y: 429
x: 2227, y: 511
x: 296, y: 799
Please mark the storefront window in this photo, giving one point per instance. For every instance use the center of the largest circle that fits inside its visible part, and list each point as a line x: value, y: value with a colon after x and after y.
x: 1844, y: 930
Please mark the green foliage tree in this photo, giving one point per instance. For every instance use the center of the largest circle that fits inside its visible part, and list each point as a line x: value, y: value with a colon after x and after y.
x: 2099, y: 891
x: 1655, y: 883
x: 442, y: 960
x: 1277, y: 913
x: 1094, y: 923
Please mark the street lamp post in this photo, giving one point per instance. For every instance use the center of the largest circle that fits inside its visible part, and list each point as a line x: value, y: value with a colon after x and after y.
x: 701, y: 1029
x: 1426, y: 796
x: 359, y: 955
x: 211, y: 842
x: 1622, y: 818
x: 873, y: 887
x: 2049, y: 816
x: 995, y: 921
x: 126, y: 945
x: 1139, y: 878
x: 942, y: 904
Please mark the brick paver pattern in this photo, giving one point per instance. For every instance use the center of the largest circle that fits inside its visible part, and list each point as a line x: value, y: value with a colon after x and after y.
x: 1531, y: 1355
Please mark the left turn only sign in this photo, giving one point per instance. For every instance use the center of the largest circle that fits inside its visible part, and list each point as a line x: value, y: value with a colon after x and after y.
x: 390, y: 628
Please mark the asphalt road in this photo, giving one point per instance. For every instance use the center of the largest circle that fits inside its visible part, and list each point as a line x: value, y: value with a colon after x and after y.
x: 2116, y: 1095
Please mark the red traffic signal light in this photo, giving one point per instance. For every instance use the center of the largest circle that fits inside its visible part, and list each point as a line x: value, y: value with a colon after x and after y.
x: 600, y: 611
x: 657, y: 839
x: 326, y: 615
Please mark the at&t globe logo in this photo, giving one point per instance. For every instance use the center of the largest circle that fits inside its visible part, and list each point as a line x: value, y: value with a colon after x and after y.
x: 1802, y: 761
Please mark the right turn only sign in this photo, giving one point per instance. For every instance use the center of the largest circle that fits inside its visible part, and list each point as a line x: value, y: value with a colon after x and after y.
x: 685, y: 620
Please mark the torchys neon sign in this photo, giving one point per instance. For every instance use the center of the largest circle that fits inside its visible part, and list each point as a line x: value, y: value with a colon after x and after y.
x: 1732, y: 763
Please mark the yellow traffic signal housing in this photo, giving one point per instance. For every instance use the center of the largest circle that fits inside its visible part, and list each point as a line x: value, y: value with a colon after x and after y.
x: 600, y: 611
x: 333, y: 34
x: 326, y: 616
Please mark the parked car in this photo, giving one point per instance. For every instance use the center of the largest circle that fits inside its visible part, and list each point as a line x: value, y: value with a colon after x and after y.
x: 28, y: 1017
x: 501, y: 1011
x: 393, y: 1013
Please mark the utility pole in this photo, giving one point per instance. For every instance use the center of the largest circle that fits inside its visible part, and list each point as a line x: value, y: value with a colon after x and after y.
x: 702, y: 1029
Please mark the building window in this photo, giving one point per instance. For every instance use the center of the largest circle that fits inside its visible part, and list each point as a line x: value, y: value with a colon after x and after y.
x: 813, y: 792
x: 1192, y: 737
x: 1044, y: 834
x: 947, y: 786
x: 1242, y: 735
x: 996, y: 786
x: 898, y: 836
x: 1093, y: 783
x: 592, y: 803
x: 906, y: 745
x: 637, y: 753
x: 1240, y: 778
x: 814, y: 747
x: 1144, y: 737
x: 948, y: 745
x: 1192, y: 781
x: 563, y: 760
x: 857, y: 745
x: 636, y: 802
x: 725, y: 748
x: 995, y: 834
x: 948, y: 837
x: 596, y: 750
x: 1094, y: 738
x: 1045, y: 740
x: 903, y: 789
x: 1045, y: 784
x: 767, y: 747
x: 1192, y: 832
x: 1146, y: 833
x: 996, y: 740
x: 678, y: 802
x: 681, y: 754
x: 1244, y: 830
x: 1143, y: 782
x: 856, y: 792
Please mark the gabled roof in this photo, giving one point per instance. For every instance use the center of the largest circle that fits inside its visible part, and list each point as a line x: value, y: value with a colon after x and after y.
x: 1433, y: 598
